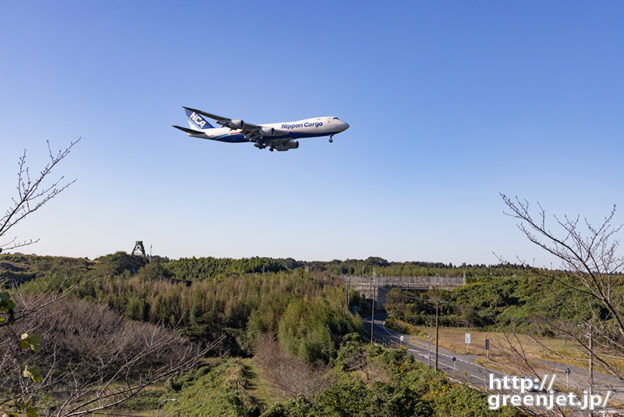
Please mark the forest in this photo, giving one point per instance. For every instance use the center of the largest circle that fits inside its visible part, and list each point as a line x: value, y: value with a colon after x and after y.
x: 206, y: 331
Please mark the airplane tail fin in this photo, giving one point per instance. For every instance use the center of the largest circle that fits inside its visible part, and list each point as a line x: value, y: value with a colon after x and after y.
x: 197, y: 121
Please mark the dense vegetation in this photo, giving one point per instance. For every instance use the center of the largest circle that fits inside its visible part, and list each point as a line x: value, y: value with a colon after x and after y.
x: 299, y: 309
x: 214, y: 303
x: 414, y: 269
x: 218, y: 389
x: 241, y: 298
x: 208, y: 267
x: 313, y: 330
x: 395, y: 386
x: 496, y: 303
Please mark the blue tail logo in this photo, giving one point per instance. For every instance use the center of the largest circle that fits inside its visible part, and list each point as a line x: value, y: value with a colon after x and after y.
x: 198, y: 120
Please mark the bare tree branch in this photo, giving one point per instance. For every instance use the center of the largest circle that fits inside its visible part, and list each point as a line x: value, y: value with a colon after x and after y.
x: 591, y: 265
x: 32, y: 194
x: 92, y: 358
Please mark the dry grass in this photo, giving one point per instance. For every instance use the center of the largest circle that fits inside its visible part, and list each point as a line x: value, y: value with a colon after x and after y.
x: 452, y: 338
x: 543, y: 348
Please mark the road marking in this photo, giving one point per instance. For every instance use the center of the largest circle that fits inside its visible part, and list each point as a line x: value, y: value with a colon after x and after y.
x: 394, y: 334
x: 443, y: 365
x: 443, y: 354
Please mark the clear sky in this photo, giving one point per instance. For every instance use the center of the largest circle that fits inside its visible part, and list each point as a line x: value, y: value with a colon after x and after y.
x: 449, y: 102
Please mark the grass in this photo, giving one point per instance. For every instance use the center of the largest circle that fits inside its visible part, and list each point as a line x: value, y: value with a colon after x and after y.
x: 565, y: 351
x: 253, y: 382
x: 259, y: 387
x: 143, y: 405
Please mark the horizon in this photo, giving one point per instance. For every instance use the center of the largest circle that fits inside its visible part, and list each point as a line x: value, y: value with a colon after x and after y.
x: 167, y: 258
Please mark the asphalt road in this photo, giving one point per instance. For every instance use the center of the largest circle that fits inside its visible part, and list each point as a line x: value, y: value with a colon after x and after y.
x: 464, y: 368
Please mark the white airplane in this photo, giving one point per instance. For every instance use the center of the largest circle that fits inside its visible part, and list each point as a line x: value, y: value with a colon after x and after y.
x: 279, y: 136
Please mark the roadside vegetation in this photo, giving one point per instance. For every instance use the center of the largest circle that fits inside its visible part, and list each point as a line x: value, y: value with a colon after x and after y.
x: 496, y: 303
x: 364, y: 381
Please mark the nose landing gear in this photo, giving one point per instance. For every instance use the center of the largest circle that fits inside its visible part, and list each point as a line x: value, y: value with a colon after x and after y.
x: 331, y: 139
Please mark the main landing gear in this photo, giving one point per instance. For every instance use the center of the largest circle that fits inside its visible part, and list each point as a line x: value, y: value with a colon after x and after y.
x: 271, y: 149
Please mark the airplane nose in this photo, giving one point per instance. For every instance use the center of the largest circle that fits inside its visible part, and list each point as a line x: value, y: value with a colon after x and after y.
x: 346, y: 126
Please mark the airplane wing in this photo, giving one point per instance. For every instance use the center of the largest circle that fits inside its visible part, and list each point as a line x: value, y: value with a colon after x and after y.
x: 251, y: 131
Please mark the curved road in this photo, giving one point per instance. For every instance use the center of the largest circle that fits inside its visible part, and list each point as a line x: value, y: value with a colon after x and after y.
x: 464, y: 367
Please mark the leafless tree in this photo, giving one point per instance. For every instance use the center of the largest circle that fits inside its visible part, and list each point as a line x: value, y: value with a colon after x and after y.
x: 591, y: 269
x: 290, y: 374
x: 91, y: 359
x: 591, y: 265
x: 511, y: 352
x: 33, y: 193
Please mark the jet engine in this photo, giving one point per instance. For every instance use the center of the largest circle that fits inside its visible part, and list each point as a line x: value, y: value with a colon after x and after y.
x: 235, y: 124
x: 267, y: 131
x: 291, y: 144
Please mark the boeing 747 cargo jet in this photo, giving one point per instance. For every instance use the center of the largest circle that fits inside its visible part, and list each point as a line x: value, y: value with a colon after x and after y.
x: 278, y: 136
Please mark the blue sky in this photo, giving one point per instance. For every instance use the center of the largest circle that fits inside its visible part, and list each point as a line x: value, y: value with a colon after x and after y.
x: 449, y: 104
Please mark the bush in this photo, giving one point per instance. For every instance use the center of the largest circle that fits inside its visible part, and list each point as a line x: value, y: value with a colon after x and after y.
x: 313, y: 330
x: 212, y: 391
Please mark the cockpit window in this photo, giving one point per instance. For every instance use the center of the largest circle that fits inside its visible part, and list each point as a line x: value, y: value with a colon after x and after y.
x: 335, y: 118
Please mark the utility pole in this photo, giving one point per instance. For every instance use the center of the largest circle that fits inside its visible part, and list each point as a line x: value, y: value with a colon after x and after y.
x: 348, y: 280
x: 591, y: 358
x: 373, y: 305
x: 437, y: 322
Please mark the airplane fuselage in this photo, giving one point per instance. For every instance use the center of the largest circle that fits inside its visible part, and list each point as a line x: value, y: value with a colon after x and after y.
x: 275, y: 136
x: 306, y: 128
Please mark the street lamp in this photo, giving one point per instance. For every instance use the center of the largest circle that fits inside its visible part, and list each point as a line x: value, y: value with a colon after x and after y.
x: 164, y: 401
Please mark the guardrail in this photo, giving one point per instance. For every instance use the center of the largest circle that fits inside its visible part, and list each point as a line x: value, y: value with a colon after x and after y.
x: 378, y: 287
x: 424, y: 282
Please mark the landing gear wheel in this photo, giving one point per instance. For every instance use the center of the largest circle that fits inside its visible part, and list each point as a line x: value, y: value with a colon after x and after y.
x: 331, y: 140
x: 271, y: 149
